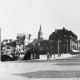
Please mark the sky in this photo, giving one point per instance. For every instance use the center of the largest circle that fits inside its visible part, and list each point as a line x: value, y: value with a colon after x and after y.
x: 26, y: 16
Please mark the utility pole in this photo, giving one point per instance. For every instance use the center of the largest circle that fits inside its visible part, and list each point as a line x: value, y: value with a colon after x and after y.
x: 67, y: 46
x: 58, y: 47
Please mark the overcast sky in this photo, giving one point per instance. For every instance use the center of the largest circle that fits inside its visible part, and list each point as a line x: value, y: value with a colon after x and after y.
x: 25, y: 16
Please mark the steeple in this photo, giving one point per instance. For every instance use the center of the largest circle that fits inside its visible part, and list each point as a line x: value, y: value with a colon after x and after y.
x: 40, y: 28
x: 40, y: 34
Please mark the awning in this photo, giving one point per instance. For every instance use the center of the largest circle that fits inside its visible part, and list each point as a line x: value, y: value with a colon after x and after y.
x: 75, y: 51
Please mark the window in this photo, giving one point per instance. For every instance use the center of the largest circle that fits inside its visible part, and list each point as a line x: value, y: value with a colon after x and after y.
x: 64, y: 35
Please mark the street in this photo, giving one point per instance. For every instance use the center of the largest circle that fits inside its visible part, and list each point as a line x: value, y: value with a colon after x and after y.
x: 57, y: 69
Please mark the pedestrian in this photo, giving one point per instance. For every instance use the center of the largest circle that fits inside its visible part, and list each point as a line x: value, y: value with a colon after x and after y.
x: 54, y: 55
x: 48, y: 56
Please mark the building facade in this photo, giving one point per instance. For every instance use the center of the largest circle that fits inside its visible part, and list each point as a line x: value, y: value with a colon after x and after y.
x: 62, y: 41
x: 20, y: 40
x: 78, y: 42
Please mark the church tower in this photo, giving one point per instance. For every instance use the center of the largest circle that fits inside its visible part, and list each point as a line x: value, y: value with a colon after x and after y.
x: 40, y: 35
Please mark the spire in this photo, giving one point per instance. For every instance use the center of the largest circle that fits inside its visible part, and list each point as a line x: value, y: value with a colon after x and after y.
x: 40, y: 34
x: 40, y: 28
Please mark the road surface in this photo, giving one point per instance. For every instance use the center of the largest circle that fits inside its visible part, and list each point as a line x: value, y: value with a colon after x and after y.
x: 57, y: 69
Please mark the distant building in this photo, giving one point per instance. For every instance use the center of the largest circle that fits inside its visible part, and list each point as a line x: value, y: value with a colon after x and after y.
x: 42, y: 44
x: 40, y: 35
x: 28, y: 39
x: 38, y: 47
x: 20, y: 40
x: 43, y: 47
x: 78, y: 42
x: 62, y: 41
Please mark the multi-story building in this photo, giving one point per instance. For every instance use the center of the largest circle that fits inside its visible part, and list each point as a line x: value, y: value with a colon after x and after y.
x: 20, y: 43
x: 28, y: 39
x: 78, y: 42
x: 62, y: 41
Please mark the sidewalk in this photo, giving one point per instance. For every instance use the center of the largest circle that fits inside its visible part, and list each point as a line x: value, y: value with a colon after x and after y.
x: 44, y: 57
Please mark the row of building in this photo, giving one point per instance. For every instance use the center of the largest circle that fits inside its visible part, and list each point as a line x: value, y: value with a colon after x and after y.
x: 60, y: 41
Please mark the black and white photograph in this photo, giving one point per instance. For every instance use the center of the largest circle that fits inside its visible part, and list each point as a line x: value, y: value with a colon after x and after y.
x: 39, y: 39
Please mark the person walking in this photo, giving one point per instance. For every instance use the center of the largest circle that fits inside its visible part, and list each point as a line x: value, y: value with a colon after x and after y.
x: 48, y: 56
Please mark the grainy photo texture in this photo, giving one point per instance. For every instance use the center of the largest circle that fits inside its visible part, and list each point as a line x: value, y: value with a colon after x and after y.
x: 40, y: 39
